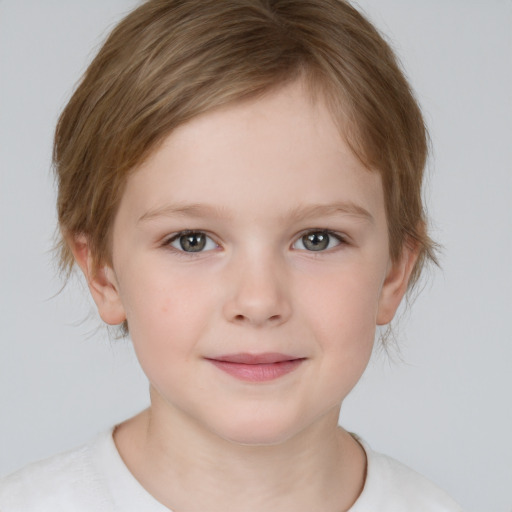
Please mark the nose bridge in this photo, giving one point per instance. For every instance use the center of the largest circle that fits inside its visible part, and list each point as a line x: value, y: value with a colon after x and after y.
x: 259, y: 290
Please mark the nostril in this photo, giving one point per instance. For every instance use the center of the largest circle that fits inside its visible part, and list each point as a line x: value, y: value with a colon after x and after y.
x: 243, y: 318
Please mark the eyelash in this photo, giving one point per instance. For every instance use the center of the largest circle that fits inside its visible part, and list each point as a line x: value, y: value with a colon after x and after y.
x: 187, y: 254
x: 167, y: 243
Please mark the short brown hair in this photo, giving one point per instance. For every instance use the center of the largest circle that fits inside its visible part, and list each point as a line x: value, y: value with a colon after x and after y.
x: 171, y: 60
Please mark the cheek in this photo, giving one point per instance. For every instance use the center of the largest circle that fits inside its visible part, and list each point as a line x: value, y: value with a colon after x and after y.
x: 342, y: 317
x: 166, y: 311
x: 344, y: 301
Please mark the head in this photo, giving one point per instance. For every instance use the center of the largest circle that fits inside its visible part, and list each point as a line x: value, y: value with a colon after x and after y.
x: 190, y: 101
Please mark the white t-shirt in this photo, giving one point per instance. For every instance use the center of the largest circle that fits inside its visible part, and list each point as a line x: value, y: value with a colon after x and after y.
x: 94, y: 478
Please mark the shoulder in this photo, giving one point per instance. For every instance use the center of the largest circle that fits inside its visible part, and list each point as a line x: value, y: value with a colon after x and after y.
x: 394, y: 487
x: 64, y: 482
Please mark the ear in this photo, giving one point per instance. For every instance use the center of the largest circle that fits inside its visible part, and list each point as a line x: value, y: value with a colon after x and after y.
x: 101, y: 281
x: 395, y: 284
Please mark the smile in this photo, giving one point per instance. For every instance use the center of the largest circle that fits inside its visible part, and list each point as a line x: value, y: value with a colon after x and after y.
x: 257, y: 367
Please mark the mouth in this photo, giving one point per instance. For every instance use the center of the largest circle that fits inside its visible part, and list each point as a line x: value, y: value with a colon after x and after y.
x: 257, y: 367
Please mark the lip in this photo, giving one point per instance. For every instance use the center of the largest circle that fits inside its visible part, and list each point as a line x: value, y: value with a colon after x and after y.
x: 257, y: 367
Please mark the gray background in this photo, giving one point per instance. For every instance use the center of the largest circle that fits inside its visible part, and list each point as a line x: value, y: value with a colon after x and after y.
x: 445, y: 409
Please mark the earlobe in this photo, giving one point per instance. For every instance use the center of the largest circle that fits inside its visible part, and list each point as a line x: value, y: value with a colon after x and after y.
x: 395, y: 284
x: 101, y: 281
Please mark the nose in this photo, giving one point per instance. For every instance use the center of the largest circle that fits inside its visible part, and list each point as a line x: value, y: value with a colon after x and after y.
x: 257, y: 293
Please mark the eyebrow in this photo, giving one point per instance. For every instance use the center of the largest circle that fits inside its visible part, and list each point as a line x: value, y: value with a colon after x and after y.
x: 301, y: 212
x: 321, y: 210
x: 187, y: 210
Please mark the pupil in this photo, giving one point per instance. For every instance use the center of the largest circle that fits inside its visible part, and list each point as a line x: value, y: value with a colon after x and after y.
x: 194, y: 242
x: 316, y: 241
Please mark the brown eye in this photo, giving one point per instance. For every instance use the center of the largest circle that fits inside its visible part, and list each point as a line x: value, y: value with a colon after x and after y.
x: 317, y: 241
x: 193, y: 241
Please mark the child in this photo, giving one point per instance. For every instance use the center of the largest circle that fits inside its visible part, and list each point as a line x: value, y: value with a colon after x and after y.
x: 240, y: 183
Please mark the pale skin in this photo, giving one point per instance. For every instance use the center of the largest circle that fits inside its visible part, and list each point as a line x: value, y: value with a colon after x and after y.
x: 255, y: 178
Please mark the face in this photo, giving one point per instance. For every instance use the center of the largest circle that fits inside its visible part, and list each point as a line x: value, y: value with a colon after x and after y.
x: 251, y: 261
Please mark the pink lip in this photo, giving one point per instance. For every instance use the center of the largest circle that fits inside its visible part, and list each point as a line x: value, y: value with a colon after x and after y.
x: 257, y: 367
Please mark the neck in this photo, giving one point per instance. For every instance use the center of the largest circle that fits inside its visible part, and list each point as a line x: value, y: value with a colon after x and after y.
x: 187, y: 468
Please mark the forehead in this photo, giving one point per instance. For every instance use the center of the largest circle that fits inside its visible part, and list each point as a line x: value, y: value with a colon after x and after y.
x: 260, y: 157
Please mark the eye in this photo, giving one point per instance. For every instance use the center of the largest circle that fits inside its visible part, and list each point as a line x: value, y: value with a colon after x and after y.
x: 192, y: 241
x: 319, y: 240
